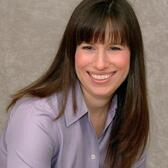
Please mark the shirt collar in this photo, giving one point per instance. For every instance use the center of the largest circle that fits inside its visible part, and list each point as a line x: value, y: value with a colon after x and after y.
x: 112, y: 111
x: 71, y: 117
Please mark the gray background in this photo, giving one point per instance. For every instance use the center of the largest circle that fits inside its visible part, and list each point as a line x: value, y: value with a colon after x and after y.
x: 30, y: 31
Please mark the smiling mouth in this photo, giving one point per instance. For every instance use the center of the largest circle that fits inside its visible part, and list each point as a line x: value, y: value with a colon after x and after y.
x: 101, y: 77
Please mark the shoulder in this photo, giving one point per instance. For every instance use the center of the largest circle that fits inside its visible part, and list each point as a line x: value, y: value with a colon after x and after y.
x: 32, y: 134
x: 35, y: 106
x: 35, y: 116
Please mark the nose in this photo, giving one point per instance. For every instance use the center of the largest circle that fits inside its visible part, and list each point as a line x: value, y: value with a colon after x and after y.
x: 101, y: 60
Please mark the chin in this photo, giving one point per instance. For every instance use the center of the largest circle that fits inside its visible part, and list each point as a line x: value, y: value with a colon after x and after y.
x: 102, y: 93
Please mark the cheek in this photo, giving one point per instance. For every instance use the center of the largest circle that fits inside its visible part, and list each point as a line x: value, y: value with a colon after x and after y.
x: 77, y: 61
x: 81, y: 60
x: 122, y: 61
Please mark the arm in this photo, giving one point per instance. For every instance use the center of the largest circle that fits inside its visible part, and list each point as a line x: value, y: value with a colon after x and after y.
x: 29, y: 144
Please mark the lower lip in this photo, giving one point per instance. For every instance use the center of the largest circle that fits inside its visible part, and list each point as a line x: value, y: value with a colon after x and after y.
x: 102, y: 81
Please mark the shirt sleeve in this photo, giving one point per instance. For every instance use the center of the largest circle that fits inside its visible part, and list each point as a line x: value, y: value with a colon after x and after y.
x: 28, y: 139
x: 141, y: 163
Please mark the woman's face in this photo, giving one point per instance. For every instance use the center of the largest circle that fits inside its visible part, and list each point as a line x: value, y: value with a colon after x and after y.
x: 101, y: 68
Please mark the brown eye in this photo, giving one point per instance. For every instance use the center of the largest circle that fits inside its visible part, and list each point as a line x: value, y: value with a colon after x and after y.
x: 115, y: 48
x: 87, y: 48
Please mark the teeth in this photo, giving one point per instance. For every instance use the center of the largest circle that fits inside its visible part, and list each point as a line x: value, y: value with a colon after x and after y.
x: 101, y: 77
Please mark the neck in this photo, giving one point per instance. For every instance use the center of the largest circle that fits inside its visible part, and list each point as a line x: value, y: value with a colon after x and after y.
x: 96, y: 105
x: 97, y: 111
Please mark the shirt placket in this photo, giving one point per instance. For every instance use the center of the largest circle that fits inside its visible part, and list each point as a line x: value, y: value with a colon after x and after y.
x: 94, y: 153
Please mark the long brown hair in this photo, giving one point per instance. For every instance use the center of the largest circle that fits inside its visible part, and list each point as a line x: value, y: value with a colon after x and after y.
x: 88, y: 22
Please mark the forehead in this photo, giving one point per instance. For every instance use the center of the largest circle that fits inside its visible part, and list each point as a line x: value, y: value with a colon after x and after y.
x: 101, y: 21
x: 111, y: 34
x: 107, y: 31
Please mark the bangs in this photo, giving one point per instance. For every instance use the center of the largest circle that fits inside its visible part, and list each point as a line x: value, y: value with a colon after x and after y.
x: 100, y: 26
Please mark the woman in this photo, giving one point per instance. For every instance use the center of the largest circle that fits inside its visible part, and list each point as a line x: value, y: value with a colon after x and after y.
x: 89, y: 109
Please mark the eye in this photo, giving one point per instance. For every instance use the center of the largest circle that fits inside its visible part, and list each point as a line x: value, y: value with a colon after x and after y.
x: 115, y: 48
x: 87, y: 47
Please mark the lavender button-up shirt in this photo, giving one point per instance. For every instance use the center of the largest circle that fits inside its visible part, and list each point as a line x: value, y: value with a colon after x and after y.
x: 33, y: 139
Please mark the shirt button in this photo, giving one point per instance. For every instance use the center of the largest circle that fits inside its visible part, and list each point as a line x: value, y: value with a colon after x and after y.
x: 93, y: 156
